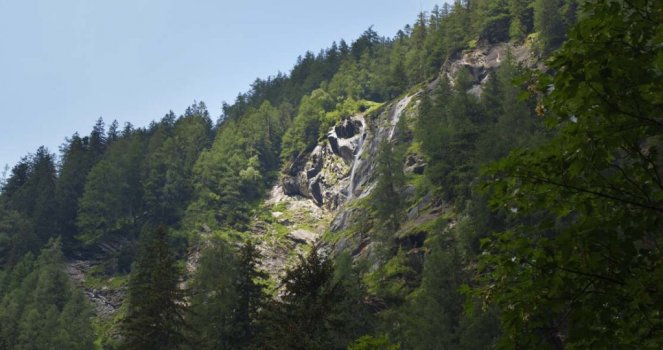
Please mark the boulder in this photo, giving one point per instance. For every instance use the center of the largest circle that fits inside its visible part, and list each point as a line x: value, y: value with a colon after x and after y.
x: 347, y: 149
x: 316, y: 163
x: 333, y: 141
x: 414, y: 163
x: 348, y: 128
x: 302, y: 236
x: 290, y: 185
x: 419, y: 169
x: 316, y: 190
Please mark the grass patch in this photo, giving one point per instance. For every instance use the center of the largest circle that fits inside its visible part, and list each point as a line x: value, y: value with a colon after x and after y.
x: 281, y: 230
x: 280, y: 207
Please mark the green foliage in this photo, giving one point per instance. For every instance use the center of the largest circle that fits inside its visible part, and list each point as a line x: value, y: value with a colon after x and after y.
x: 459, y: 132
x: 17, y: 237
x: 448, y: 128
x: 580, y: 266
x: 434, y: 314
x: 155, y: 311
x: 234, y: 171
x: 319, y: 309
x: 228, y: 293
x: 30, y: 190
x: 393, y: 280
x: 112, y: 201
x: 214, y: 297
x: 76, y: 162
x: 175, y: 172
x: 39, y: 307
x: 250, y: 283
x: 173, y: 149
x: 523, y: 19
x: 549, y: 23
x: 368, y: 342
x: 305, y: 130
x: 387, y: 201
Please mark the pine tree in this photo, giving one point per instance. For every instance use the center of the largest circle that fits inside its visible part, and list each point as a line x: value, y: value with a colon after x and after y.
x: 76, y: 162
x: 549, y: 23
x: 30, y: 191
x: 387, y: 201
x: 40, y: 308
x: 155, y: 309
x: 317, y: 310
x: 214, y: 297
x: 251, y: 294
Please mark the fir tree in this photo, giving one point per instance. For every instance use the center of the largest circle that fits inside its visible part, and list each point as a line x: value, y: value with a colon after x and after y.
x: 155, y: 304
x: 387, y: 200
x: 251, y: 294
x: 317, y: 310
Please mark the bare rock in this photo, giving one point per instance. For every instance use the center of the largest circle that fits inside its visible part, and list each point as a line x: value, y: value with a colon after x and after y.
x: 333, y: 142
x: 290, y: 185
x: 348, y: 128
x: 302, y: 236
x: 316, y: 163
x: 316, y: 190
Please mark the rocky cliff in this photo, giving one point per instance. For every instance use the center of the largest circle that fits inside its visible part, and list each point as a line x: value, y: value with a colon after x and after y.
x: 319, y: 197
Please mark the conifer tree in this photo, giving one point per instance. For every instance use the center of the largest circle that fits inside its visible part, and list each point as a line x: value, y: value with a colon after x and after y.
x: 214, y: 297
x: 387, y: 201
x: 251, y: 293
x: 40, y: 308
x: 317, y: 311
x: 548, y: 22
x: 155, y: 309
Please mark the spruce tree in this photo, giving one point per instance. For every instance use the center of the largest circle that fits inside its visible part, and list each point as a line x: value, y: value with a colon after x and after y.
x: 214, y: 297
x: 39, y: 306
x: 387, y: 202
x: 251, y: 293
x: 548, y: 22
x: 155, y: 309
x: 318, y: 310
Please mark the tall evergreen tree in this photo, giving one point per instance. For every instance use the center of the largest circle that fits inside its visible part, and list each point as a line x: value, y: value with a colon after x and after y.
x: 387, y: 199
x: 549, y: 23
x: 316, y: 311
x: 75, y: 164
x: 155, y: 304
x: 214, y: 297
x: 30, y: 191
x: 227, y: 297
x: 251, y: 294
x: 40, y: 308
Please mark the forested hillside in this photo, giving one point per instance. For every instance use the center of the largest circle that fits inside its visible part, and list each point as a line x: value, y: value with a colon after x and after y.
x: 489, y: 177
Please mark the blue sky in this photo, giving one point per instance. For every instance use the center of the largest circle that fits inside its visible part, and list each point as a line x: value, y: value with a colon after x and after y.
x: 65, y: 63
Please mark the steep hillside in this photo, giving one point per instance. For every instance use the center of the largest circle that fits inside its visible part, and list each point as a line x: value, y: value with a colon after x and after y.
x: 323, y: 190
x: 476, y: 181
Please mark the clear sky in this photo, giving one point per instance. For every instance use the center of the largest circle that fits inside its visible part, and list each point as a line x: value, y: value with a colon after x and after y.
x: 65, y: 63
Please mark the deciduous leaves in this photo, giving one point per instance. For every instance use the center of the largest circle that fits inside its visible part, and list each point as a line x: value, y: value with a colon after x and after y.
x: 583, y: 266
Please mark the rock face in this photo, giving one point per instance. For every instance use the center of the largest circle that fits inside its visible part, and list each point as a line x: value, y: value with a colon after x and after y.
x: 341, y: 167
x: 480, y: 61
x: 414, y: 163
x: 106, y: 301
x: 302, y: 236
x: 297, y: 224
